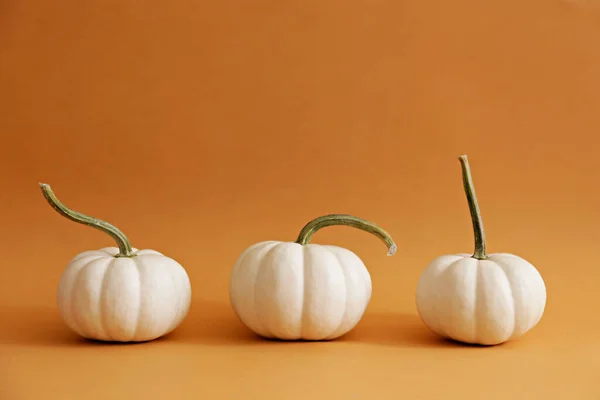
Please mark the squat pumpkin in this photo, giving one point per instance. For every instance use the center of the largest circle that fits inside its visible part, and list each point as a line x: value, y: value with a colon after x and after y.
x: 120, y: 294
x: 302, y: 291
x: 480, y: 299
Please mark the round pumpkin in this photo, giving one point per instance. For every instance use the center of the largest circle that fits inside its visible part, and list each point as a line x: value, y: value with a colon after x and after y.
x: 120, y: 294
x: 480, y: 298
x: 302, y: 291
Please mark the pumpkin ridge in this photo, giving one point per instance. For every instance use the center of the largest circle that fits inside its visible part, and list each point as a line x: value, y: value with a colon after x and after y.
x: 440, y: 277
x: 303, y: 255
x: 238, y: 265
x: 265, y: 256
x: 477, y: 307
x: 233, y: 300
x: 335, y: 255
x: 90, y: 253
x: 74, y: 313
x: 101, y: 300
x: 503, y: 267
x: 173, y: 323
x: 137, y: 261
x: 81, y: 263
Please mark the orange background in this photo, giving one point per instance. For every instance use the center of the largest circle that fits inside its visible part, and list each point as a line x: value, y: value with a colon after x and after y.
x: 201, y: 127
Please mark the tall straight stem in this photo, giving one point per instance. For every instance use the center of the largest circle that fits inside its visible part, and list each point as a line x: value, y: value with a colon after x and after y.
x: 480, y: 250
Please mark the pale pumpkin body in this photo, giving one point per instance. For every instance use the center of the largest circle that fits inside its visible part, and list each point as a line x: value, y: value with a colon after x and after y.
x: 481, y: 301
x: 123, y: 299
x: 289, y: 291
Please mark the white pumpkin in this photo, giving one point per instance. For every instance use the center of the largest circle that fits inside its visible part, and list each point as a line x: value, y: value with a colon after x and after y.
x: 120, y: 294
x: 480, y: 299
x: 302, y: 291
x: 124, y: 299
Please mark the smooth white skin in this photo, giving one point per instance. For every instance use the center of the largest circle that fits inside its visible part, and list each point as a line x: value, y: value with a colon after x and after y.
x: 481, y: 301
x: 123, y: 299
x: 288, y: 291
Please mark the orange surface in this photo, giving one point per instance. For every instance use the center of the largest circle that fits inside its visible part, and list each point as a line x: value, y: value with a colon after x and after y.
x: 201, y: 127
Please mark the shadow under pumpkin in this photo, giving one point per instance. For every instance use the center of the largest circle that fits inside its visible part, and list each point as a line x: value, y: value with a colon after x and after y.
x: 211, y: 323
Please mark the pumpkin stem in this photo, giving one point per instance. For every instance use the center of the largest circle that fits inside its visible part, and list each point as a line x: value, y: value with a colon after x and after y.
x: 343, y: 219
x: 125, y: 249
x: 480, y: 251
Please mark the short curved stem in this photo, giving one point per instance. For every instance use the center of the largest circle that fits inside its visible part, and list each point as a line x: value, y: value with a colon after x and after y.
x: 480, y: 250
x: 348, y: 220
x: 125, y: 249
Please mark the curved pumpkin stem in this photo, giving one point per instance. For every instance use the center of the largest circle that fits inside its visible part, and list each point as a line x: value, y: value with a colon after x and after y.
x: 125, y: 249
x: 348, y: 220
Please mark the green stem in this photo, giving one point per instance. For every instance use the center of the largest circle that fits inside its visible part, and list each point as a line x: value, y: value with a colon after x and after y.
x: 125, y: 249
x: 480, y: 251
x: 348, y: 220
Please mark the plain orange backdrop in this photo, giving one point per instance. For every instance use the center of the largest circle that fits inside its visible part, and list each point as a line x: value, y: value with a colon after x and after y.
x: 201, y: 127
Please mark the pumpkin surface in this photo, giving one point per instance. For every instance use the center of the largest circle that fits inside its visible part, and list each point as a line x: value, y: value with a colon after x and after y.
x: 481, y: 301
x: 125, y: 299
x: 302, y: 291
x: 480, y: 298
x: 289, y: 291
x: 119, y: 294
